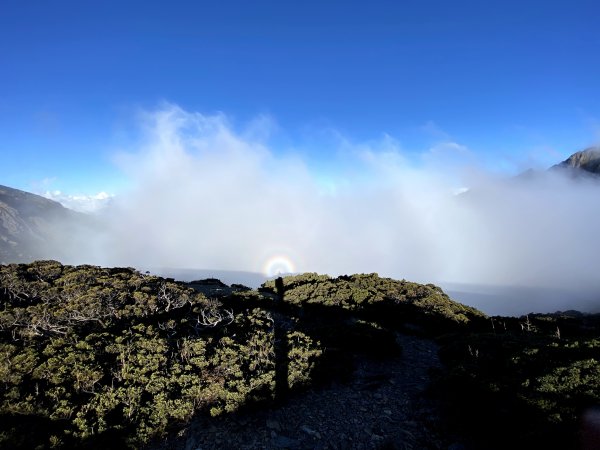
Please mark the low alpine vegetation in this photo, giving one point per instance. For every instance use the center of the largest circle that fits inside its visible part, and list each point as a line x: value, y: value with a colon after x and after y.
x: 92, y: 355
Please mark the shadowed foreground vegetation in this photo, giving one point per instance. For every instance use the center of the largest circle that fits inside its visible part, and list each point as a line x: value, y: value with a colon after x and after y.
x: 524, y: 384
x: 91, y: 356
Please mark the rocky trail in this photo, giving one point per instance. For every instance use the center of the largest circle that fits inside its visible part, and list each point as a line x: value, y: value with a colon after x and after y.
x: 383, y: 406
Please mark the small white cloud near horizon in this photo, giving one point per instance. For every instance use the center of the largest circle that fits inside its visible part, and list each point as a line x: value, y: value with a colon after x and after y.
x: 93, y: 203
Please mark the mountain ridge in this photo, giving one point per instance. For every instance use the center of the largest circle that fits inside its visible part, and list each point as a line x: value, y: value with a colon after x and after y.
x: 587, y: 160
x: 29, y: 224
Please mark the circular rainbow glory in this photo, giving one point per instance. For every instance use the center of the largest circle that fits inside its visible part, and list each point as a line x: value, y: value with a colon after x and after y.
x: 278, y: 265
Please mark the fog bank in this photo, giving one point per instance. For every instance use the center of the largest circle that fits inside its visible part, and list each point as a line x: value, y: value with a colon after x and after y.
x: 205, y: 195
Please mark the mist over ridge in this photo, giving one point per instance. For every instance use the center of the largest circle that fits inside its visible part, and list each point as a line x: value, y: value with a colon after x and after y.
x: 204, y: 195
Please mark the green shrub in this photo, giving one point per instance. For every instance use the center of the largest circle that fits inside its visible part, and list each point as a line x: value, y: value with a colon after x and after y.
x: 100, y: 355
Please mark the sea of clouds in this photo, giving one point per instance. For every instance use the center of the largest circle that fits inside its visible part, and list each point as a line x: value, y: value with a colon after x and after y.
x: 206, y: 195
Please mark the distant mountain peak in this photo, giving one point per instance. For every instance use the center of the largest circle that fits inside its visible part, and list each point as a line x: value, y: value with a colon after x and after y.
x: 588, y: 160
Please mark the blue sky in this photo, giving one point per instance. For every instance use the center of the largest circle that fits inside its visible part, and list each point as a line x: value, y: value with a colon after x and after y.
x: 514, y: 82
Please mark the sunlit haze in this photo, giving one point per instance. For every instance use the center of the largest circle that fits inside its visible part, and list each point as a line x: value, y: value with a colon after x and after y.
x: 203, y: 196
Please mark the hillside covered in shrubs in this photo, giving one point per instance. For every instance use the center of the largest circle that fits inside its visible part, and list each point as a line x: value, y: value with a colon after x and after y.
x: 93, y: 356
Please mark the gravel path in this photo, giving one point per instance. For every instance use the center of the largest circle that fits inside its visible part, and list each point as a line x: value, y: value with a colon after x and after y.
x: 382, y: 407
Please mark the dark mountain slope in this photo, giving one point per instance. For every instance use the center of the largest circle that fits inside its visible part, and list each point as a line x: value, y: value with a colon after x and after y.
x: 33, y: 227
x: 584, y: 162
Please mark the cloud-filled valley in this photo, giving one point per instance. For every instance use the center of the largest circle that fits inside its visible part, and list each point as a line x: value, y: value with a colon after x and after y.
x: 204, y: 195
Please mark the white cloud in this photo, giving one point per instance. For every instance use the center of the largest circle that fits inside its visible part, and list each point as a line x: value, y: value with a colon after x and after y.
x: 83, y: 203
x: 449, y: 147
x: 448, y: 155
x: 432, y: 128
x: 207, y: 196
